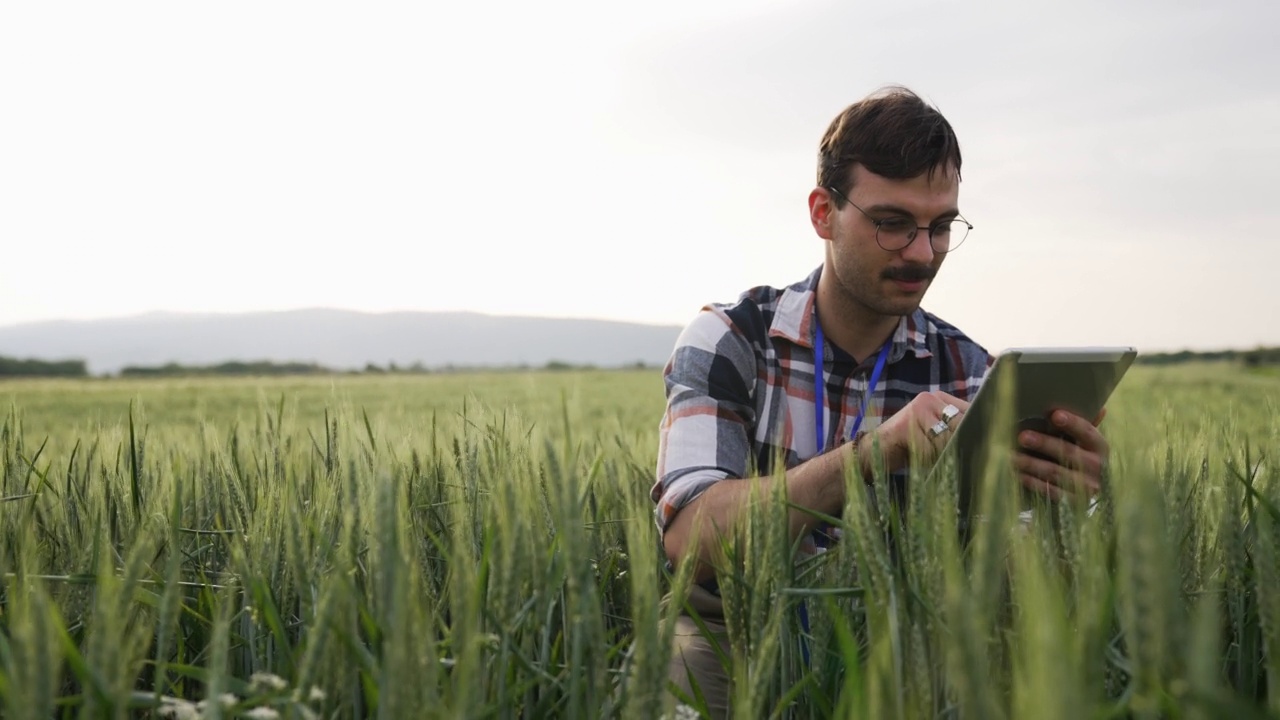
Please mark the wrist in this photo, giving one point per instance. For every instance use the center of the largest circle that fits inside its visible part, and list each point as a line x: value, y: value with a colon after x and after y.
x: 874, y: 449
x: 863, y: 445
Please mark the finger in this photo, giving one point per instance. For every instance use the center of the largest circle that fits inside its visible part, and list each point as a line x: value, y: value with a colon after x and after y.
x: 1097, y: 420
x: 935, y: 409
x: 1036, y: 485
x: 928, y: 423
x: 934, y: 441
x: 1070, y: 481
x: 1054, y: 491
x: 948, y: 398
x: 1053, y: 473
x: 928, y: 410
x: 1065, y: 453
x: 1084, y: 432
x: 943, y: 434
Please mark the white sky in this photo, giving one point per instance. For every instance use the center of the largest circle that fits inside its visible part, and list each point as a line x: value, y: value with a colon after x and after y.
x: 633, y: 162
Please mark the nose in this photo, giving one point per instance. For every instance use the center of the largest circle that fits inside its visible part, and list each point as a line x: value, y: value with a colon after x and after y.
x: 920, y: 250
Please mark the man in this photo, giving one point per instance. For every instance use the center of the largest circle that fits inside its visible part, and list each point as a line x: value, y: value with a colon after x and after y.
x: 745, y: 392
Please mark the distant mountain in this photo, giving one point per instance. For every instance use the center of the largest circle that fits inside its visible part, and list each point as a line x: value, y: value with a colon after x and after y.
x: 340, y: 339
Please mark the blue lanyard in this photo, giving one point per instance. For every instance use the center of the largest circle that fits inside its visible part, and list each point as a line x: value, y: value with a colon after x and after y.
x: 819, y: 376
x: 820, y: 381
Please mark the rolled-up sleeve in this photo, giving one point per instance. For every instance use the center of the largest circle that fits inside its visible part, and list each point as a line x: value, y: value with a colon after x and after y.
x: 704, y: 434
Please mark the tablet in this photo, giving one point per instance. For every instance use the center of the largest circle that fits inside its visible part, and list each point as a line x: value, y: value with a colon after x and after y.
x: 1020, y: 390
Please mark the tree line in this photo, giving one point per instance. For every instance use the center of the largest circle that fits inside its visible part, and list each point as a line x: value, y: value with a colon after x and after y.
x: 33, y: 368
x: 232, y: 368
x: 1256, y: 357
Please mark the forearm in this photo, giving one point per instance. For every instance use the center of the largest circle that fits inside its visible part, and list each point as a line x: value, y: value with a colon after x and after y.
x: 816, y: 485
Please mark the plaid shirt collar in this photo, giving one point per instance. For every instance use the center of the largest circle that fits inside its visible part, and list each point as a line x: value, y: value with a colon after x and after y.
x: 794, y: 318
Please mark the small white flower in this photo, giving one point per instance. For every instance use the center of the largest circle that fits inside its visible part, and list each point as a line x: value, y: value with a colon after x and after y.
x: 267, y: 681
x: 317, y: 695
x: 684, y: 712
x: 179, y: 709
x: 263, y: 713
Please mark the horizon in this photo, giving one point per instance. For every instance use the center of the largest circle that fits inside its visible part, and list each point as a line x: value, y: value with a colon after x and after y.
x: 501, y: 161
x: 670, y: 326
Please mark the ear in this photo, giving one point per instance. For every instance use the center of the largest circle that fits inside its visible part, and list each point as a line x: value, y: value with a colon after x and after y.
x: 821, y: 212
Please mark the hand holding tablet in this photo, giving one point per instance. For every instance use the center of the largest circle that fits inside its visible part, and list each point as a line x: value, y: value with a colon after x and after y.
x: 1042, y: 406
x: 1062, y: 457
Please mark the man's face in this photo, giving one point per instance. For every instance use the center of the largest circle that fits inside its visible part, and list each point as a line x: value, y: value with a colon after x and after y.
x: 886, y: 282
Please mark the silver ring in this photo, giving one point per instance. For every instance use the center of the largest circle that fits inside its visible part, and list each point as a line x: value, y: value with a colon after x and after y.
x: 938, y: 428
x: 949, y: 413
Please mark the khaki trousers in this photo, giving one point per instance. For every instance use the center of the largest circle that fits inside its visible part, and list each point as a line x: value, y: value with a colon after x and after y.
x: 694, y: 658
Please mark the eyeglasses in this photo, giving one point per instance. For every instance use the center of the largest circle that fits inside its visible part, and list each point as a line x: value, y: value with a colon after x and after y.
x: 896, y: 233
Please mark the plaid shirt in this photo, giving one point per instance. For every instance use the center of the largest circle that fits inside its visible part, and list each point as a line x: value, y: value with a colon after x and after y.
x: 740, y: 388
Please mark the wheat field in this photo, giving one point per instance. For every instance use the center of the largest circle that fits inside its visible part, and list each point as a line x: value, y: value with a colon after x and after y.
x: 483, y: 546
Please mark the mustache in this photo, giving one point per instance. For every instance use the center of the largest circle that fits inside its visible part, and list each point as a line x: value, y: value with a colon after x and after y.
x: 909, y: 273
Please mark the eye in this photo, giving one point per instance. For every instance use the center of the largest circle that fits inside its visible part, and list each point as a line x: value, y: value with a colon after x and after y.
x: 896, y: 225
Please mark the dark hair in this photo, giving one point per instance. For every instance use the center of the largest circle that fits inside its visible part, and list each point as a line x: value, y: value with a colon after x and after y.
x: 893, y: 133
